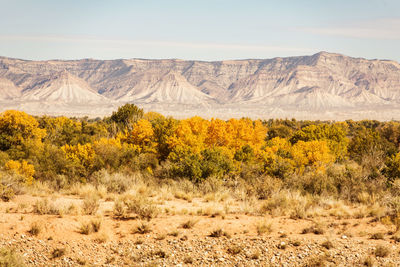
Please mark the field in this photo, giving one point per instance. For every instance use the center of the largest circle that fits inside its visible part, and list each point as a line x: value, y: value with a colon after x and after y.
x: 139, y: 189
x: 178, y: 223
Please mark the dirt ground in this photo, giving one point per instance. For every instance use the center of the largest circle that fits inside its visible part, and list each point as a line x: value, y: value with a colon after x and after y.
x: 215, y: 239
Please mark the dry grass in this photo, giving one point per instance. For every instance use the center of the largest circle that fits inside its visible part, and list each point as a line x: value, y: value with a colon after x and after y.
x: 174, y: 233
x: 57, y: 253
x: 142, y: 228
x: 142, y: 206
x: 10, y: 258
x: 183, y: 195
x: 327, y: 244
x: 234, y: 249
x: 381, y: 251
x: 90, y: 204
x: 377, y: 236
x: 219, y: 233
x: 92, y: 226
x: 317, y: 228
x: 189, y: 224
x: 263, y: 227
x: 35, y: 229
x: 85, y: 228
x: 43, y: 206
x: 101, y: 237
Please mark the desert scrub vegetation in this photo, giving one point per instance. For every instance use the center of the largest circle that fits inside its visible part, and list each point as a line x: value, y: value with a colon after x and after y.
x: 189, y: 224
x: 281, y: 167
x: 263, y: 227
x: 142, y: 228
x: 35, y: 229
x: 88, y: 227
x: 90, y: 204
x: 10, y: 258
x: 381, y: 251
x: 140, y: 205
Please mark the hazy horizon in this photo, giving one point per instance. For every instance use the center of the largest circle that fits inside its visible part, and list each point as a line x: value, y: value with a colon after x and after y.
x: 206, y: 30
x: 181, y: 59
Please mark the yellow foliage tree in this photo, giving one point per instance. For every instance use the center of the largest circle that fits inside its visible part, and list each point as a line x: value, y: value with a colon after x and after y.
x: 22, y: 168
x: 141, y: 136
x: 189, y: 136
x: 81, y: 157
x: 20, y: 132
x: 277, y: 157
x: 315, y: 154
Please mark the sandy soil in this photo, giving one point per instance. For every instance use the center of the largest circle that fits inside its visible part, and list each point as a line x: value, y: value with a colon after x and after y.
x: 169, y: 244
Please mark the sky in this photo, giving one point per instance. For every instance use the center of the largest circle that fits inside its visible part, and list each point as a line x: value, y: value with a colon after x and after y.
x: 198, y: 29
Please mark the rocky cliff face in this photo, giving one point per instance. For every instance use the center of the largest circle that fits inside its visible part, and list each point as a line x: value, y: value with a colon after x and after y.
x: 323, y: 85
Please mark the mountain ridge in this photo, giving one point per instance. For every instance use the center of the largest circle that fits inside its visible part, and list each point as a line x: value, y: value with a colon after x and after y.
x: 319, y: 84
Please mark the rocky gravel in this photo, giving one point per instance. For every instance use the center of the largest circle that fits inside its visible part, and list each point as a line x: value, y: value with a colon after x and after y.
x: 203, y: 251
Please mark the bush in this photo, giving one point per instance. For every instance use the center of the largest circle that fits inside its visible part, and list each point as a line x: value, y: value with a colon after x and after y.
x: 58, y: 252
x: 263, y: 186
x: 35, y: 229
x: 9, y: 186
x: 234, y: 249
x: 90, y: 204
x: 6, y: 192
x: 219, y: 233
x: 87, y: 228
x: 10, y: 258
x: 263, y: 227
x: 142, y: 228
x: 114, y: 182
x: 43, y: 206
x: 381, y: 251
x: 141, y: 206
x: 189, y: 224
x: 317, y: 229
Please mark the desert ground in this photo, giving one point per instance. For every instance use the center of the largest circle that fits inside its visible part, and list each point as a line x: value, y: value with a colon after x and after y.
x: 171, y: 225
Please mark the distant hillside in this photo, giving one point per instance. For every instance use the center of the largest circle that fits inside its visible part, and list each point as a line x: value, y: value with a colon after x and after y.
x: 324, y: 85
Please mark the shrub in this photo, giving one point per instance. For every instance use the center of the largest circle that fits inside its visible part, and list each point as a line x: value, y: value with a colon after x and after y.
x: 381, y: 251
x: 219, y: 233
x: 6, y: 192
x: 141, y: 206
x: 43, y: 206
x: 35, y: 229
x: 327, y: 244
x: 9, y: 186
x: 10, y: 258
x: 115, y: 182
x: 263, y: 227
x: 188, y: 224
x: 234, y: 249
x: 377, y: 236
x: 90, y: 204
x: 317, y: 229
x: 119, y: 209
x: 265, y: 186
x: 58, y: 252
x: 96, y: 224
x: 142, y: 228
x: 85, y: 228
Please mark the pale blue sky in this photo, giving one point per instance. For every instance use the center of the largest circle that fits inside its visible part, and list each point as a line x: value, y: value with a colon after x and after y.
x: 198, y: 29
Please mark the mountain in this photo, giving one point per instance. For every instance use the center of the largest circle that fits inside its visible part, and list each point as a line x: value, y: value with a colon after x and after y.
x: 8, y: 90
x: 171, y: 87
x: 62, y: 87
x: 320, y: 86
